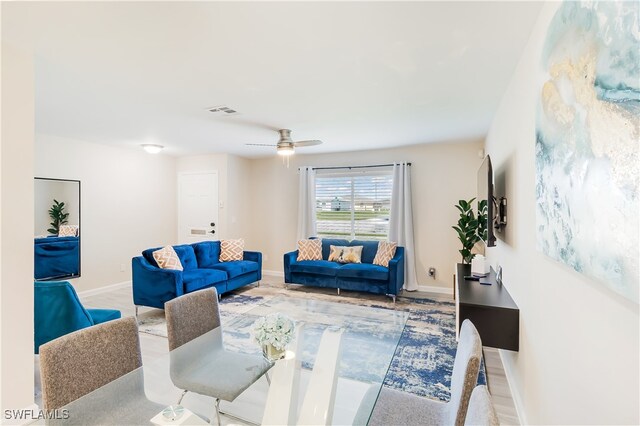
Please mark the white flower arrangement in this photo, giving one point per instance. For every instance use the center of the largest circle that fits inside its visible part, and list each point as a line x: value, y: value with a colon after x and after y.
x: 275, y: 329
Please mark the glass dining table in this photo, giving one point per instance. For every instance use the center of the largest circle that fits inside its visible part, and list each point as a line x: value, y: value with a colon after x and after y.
x: 332, y: 371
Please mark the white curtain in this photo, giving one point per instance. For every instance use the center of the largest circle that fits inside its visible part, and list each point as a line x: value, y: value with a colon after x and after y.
x: 401, y: 221
x: 307, y: 203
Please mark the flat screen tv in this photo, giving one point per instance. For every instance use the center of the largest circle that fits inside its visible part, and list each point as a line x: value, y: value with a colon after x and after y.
x: 486, y: 203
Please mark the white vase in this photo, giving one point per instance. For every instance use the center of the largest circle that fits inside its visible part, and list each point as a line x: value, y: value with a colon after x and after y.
x: 272, y: 353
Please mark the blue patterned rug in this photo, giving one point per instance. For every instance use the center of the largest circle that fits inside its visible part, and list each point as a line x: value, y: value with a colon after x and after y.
x: 423, y: 359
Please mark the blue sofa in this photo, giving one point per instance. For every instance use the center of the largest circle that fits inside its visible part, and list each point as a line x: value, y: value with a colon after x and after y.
x: 56, y: 257
x: 57, y: 311
x: 153, y: 286
x: 363, y: 276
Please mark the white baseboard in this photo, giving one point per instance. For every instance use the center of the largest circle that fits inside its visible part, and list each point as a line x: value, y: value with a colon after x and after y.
x: 278, y: 274
x: 104, y: 289
x: 433, y: 289
x: 517, y: 398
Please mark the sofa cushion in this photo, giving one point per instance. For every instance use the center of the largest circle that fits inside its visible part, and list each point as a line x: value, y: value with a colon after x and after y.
x: 187, y: 256
x: 167, y: 258
x: 369, y: 249
x: 363, y: 270
x: 185, y: 253
x: 231, y: 250
x: 237, y: 268
x: 207, y: 253
x: 309, y: 250
x: 386, y: 251
x: 318, y: 267
x: 195, y: 279
x: 328, y: 242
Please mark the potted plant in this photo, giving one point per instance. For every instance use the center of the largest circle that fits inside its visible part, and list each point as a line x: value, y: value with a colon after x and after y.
x: 467, y: 229
x: 58, y: 217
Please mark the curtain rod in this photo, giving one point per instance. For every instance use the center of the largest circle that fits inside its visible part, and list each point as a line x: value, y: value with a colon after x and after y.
x: 355, y: 167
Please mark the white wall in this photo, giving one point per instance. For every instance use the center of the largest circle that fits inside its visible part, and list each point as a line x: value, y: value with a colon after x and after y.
x: 578, y: 359
x: 16, y: 229
x: 128, y: 202
x: 441, y: 175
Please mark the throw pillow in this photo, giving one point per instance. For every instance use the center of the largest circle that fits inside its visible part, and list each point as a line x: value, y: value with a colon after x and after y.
x: 167, y: 258
x: 68, y: 231
x: 309, y: 250
x: 231, y: 250
x: 386, y: 251
x: 344, y: 254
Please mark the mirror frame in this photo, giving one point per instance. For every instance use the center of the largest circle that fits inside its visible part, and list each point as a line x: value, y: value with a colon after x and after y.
x: 79, y: 274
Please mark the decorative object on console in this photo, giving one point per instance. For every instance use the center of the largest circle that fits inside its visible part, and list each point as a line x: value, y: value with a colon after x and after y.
x: 467, y: 229
x: 386, y: 251
x: 58, y: 217
x: 587, y: 168
x: 231, y: 250
x: 167, y: 258
x: 479, y: 266
x: 309, y: 249
x: 68, y: 231
x: 345, y: 254
x: 274, y: 332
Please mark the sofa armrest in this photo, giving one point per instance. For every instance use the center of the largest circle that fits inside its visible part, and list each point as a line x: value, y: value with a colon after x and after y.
x: 152, y: 286
x: 396, y: 272
x: 254, y: 256
x: 289, y: 258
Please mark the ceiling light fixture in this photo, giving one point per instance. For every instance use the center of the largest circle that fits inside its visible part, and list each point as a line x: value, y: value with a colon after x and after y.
x: 285, y: 149
x: 152, y: 148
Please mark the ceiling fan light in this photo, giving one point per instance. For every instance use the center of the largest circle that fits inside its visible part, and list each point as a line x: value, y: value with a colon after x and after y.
x: 285, y: 150
x: 152, y: 148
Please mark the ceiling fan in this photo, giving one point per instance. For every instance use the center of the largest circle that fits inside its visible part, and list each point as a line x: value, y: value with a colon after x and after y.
x: 286, y: 145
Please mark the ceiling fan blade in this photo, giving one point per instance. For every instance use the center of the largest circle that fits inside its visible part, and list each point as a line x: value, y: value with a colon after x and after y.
x: 307, y: 143
x: 260, y: 144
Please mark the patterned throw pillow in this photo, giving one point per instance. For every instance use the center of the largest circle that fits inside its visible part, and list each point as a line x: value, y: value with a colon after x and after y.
x: 344, y: 254
x: 167, y: 258
x: 386, y: 251
x: 231, y: 250
x: 309, y: 250
x: 68, y: 231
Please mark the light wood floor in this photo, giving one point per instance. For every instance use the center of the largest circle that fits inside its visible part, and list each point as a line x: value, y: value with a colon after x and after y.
x: 153, y: 346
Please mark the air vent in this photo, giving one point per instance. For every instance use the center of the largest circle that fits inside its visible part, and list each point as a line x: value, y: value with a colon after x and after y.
x: 223, y: 109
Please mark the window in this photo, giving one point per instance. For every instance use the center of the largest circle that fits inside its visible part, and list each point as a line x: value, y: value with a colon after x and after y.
x: 354, y: 205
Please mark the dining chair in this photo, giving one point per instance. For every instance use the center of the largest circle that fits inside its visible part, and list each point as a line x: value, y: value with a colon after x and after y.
x: 58, y: 311
x: 395, y: 407
x: 481, y: 411
x: 205, y: 367
x: 84, y: 361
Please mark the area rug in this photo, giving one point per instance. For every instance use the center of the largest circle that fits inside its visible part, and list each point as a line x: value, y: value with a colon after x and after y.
x: 424, y: 357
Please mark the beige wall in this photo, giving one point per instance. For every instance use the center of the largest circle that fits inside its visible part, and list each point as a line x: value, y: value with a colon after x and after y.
x: 128, y: 202
x: 16, y: 229
x: 578, y: 358
x: 441, y: 175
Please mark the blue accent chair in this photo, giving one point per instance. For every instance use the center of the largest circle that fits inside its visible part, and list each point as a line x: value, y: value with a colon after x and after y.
x: 153, y: 286
x: 363, y: 276
x: 56, y: 257
x: 58, y: 311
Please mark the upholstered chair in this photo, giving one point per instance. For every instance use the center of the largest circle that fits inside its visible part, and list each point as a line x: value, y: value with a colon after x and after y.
x: 84, y: 361
x: 481, y: 411
x: 58, y: 311
x: 395, y: 407
x: 204, y: 366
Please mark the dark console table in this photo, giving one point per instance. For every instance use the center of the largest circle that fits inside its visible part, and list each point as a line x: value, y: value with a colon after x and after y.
x: 489, y: 307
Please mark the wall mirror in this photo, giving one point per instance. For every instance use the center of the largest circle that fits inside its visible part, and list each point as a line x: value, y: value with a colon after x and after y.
x: 57, y: 229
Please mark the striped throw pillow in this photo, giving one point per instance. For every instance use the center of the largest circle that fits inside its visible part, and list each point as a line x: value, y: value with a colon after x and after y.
x: 386, y: 251
x: 231, y: 250
x: 309, y: 250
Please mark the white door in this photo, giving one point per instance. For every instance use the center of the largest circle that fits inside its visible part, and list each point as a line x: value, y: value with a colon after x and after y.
x: 197, y: 206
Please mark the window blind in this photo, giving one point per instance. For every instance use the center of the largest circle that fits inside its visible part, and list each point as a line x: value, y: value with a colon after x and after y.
x: 354, y: 205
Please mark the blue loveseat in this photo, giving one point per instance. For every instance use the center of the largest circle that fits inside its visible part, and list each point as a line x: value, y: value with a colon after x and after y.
x: 363, y: 276
x: 56, y: 257
x: 153, y: 286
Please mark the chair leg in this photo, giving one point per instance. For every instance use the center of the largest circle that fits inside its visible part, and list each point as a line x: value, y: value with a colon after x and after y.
x: 137, y: 311
x: 182, y: 396
x: 258, y: 283
x: 217, y: 404
x: 338, y: 292
x: 266, y: 375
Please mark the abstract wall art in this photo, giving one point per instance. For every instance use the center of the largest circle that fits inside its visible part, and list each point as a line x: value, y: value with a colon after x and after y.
x: 587, y: 142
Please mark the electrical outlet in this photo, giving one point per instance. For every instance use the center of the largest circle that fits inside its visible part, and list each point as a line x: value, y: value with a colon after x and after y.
x: 432, y: 272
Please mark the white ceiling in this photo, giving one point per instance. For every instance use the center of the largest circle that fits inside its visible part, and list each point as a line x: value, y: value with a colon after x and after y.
x: 356, y: 75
